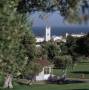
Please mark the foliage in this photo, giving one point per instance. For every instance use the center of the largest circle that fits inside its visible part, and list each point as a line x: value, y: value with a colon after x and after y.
x: 39, y: 52
x: 63, y: 61
x: 29, y: 44
x: 76, y: 47
x: 32, y: 69
x: 47, y: 5
x: 64, y: 49
x: 69, y: 9
x: 83, y: 46
x: 13, y: 31
x: 51, y: 49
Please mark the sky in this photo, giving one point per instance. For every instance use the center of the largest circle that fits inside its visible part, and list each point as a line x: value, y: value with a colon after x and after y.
x: 53, y: 20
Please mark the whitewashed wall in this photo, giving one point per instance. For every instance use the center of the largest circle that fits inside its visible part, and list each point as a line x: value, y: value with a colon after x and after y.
x: 41, y: 76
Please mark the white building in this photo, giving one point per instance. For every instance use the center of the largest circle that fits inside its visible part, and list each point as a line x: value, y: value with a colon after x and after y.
x: 48, y: 34
x: 57, y: 38
x: 39, y: 39
x: 67, y: 34
x: 47, y: 70
x: 77, y: 35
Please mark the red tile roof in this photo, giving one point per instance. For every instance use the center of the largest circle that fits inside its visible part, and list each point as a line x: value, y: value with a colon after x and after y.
x: 43, y: 62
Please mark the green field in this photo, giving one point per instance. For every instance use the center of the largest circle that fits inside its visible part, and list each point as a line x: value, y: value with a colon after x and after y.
x: 79, y: 69
x: 77, y: 72
x: 83, y: 86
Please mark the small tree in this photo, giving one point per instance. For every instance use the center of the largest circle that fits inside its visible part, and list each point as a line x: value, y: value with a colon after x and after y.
x: 63, y: 61
x: 51, y: 49
x: 32, y: 69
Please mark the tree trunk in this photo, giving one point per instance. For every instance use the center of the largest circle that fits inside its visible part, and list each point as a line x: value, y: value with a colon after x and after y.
x: 8, y: 81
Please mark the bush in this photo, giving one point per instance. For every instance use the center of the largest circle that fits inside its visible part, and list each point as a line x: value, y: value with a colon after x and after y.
x: 62, y: 61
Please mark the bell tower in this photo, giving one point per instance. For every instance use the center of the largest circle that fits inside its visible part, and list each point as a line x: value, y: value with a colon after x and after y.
x: 47, y: 33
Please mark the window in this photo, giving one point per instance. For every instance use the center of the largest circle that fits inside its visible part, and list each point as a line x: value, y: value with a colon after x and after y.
x: 46, y: 70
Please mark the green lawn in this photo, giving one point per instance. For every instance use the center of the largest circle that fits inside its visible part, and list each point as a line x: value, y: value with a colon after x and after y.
x: 83, y: 86
x: 77, y: 72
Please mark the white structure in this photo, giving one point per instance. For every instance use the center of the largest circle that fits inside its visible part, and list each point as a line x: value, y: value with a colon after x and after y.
x: 67, y: 34
x: 48, y: 37
x: 57, y: 38
x: 39, y: 39
x: 77, y: 35
x: 46, y: 70
x: 48, y: 34
x: 44, y: 74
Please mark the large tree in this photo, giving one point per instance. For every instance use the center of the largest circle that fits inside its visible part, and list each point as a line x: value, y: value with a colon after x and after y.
x: 76, y: 47
x: 17, y: 43
x: 69, y: 9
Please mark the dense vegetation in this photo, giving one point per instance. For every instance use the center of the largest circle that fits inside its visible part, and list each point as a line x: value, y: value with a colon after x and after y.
x: 69, y: 9
x: 65, y: 55
x: 16, y: 41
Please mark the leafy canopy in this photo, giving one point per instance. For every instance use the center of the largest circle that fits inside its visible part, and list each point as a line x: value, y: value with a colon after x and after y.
x: 69, y: 9
x: 13, y: 31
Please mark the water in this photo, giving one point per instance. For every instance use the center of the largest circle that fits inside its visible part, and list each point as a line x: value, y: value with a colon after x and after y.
x: 40, y: 31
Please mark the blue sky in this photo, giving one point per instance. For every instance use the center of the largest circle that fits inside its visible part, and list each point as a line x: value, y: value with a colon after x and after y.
x: 53, y: 20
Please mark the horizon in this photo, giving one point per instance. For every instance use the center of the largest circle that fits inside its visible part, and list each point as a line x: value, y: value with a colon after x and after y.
x: 56, y: 31
x: 69, y: 26
x: 52, y: 19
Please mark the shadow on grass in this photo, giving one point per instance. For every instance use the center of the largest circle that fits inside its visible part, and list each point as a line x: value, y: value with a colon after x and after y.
x: 80, y: 72
x: 66, y: 81
x: 73, y: 81
x: 84, y: 62
x: 80, y: 89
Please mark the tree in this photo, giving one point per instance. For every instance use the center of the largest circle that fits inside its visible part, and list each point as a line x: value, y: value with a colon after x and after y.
x: 14, y: 54
x: 69, y: 48
x: 69, y: 9
x: 76, y: 47
x: 51, y: 49
x: 63, y: 61
x: 47, y: 5
x: 82, y: 48
x: 64, y: 49
x: 32, y: 69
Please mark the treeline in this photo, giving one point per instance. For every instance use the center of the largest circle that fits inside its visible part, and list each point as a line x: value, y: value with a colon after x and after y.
x: 63, y: 54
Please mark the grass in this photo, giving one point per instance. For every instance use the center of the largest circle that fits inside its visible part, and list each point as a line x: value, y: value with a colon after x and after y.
x: 79, y: 70
x: 80, y: 86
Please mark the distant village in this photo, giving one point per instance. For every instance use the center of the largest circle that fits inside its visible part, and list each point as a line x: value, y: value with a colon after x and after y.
x: 61, y: 38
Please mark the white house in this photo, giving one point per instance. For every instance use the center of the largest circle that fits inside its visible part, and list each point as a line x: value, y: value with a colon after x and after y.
x: 39, y: 39
x: 57, y: 38
x: 78, y: 35
x: 46, y: 70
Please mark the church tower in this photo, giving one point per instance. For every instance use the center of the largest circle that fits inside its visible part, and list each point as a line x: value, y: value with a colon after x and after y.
x: 47, y: 33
